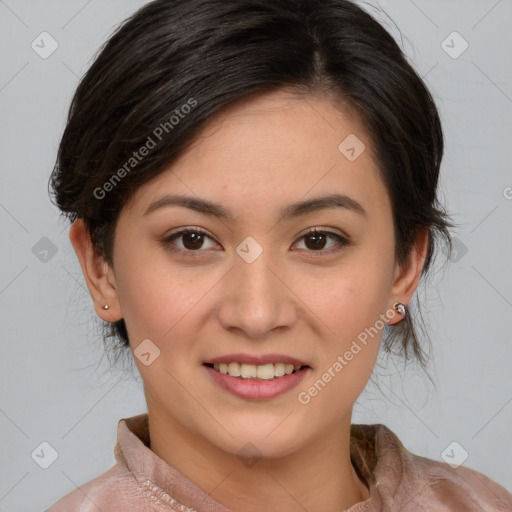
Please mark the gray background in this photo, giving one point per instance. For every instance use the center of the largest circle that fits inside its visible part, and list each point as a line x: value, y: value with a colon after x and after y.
x: 55, y: 385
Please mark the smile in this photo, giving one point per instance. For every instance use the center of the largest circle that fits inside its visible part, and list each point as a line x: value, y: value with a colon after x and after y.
x: 267, y: 371
x: 256, y: 378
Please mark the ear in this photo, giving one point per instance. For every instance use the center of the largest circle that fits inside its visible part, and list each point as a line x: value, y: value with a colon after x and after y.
x: 98, y: 274
x: 407, y: 275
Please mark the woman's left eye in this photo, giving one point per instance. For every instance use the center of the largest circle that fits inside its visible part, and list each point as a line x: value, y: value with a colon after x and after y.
x: 192, y: 240
x: 318, y: 238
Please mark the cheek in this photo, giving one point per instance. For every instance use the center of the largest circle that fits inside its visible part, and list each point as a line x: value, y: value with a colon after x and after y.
x: 351, y: 312
x: 156, y: 296
x: 352, y: 298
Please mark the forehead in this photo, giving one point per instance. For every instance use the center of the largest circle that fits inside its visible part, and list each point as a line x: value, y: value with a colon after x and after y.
x: 275, y: 149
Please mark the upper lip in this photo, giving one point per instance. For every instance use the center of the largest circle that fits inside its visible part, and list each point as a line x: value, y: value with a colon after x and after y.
x: 256, y: 360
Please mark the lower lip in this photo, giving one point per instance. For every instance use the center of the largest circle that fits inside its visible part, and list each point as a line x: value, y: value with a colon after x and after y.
x: 255, y: 389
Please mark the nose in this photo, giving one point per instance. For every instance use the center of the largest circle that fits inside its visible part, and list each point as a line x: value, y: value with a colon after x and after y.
x: 257, y: 298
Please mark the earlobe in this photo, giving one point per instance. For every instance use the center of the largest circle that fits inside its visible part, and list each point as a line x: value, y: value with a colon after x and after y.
x: 399, y: 313
x: 97, y: 273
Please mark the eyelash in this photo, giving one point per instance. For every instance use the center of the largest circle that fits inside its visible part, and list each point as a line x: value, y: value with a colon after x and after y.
x: 166, y: 242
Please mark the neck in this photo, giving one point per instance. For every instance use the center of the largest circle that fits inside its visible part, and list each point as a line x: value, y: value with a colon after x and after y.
x: 319, y: 477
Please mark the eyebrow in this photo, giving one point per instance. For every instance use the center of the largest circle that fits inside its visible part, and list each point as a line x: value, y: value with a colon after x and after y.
x: 293, y: 210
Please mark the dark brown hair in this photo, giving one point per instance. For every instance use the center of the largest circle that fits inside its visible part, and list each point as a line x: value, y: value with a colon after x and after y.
x: 174, y: 64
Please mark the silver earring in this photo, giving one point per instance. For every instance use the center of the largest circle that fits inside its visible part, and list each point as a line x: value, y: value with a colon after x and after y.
x: 105, y: 306
x: 400, y: 308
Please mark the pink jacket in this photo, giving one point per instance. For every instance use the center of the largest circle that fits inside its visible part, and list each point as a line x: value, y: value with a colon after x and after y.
x: 398, y: 480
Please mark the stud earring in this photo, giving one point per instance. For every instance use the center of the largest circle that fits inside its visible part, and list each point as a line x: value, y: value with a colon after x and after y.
x: 105, y: 306
x: 400, y: 308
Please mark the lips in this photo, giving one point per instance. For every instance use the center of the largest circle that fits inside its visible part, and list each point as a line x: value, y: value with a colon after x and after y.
x: 256, y: 377
x: 265, y: 367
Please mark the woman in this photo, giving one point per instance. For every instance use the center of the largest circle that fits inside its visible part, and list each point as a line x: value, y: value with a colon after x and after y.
x: 252, y: 187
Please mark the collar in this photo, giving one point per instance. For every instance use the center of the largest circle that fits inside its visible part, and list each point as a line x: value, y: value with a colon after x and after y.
x: 377, y: 454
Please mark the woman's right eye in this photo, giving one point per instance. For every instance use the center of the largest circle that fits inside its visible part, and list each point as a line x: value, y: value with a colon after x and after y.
x: 192, y: 240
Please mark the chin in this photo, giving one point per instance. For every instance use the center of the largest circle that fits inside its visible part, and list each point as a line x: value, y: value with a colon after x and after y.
x: 270, y: 438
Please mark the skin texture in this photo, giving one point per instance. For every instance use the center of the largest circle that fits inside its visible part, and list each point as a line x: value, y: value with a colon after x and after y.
x: 254, y: 159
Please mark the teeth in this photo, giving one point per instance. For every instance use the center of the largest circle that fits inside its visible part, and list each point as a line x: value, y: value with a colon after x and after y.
x: 248, y: 371
x: 265, y: 372
x: 279, y: 369
x: 234, y: 369
x: 251, y: 371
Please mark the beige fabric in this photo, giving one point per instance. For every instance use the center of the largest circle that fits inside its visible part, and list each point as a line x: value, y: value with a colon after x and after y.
x: 398, y: 480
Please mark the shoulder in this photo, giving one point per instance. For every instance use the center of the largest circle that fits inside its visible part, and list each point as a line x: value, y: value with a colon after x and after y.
x: 456, y: 487
x: 111, y: 490
x: 408, y: 482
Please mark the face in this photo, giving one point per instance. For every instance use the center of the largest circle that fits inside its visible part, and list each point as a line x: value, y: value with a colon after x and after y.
x: 256, y: 286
